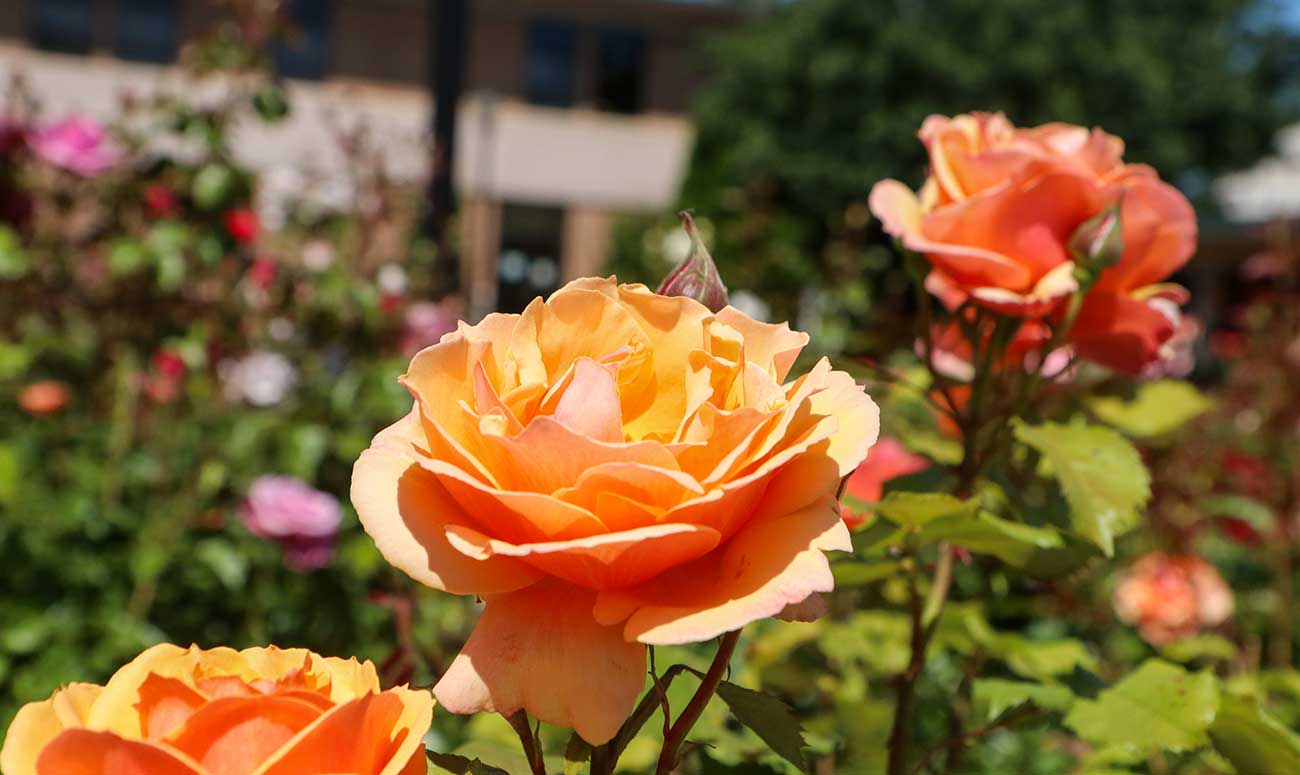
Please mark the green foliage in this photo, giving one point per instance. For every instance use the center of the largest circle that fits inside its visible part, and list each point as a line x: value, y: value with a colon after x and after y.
x: 1101, y: 474
x: 769, y: 718
x: 1160, y: 707
x: 993, y: 697
x: 1158, y: 409
x: 1252, y: 739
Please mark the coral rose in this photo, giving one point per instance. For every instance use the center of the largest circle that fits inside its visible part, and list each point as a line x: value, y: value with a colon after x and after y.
x: 609, y: 469
x: 45, y: 397
x: 1171, y: 597
x: 996, y: 215
x: 260, y: 711
x: 889, y: 459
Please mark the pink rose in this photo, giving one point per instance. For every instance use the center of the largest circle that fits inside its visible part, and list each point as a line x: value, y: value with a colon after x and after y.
x: 303, y: 520
x: 1170, y: 597
x: 889, y: 459
x: 78, y: 144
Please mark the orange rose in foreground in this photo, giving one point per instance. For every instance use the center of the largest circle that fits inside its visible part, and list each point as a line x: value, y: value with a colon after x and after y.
x: 261, y: 711
x: 996, y: 216
x: 611, y: 468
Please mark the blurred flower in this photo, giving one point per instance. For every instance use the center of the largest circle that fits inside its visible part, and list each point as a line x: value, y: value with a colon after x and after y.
x: 1171, y: 597
x: 160, y: 200
x: 391, y: 279
x: 751, y: 304
x: 427, y: 321
x: 262, y: 378
x: 887, y: 460
x: 163, y: 382
x: 318, y: 255
x: 43, y: 398
x: 1177, y: 356
x: 303, y: 520
x: 78, y: 144
x: 261, y: 273
x: 242, y: 225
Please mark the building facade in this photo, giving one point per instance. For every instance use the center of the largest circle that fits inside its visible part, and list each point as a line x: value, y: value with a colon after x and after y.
x: 572, y: 110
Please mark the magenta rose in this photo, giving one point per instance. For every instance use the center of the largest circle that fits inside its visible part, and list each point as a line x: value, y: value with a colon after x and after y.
x: 78, y: 144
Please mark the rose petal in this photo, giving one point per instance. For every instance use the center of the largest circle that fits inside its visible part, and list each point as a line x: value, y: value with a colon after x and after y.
x: 771, y: 346
x: 165, y: 704
x: 539, y: 649
x: 774, y: 561
x: 37, y: 723
x: 599, y: 562
x: 590, y: 404
x: 405, y: 509
x: 234, y: 735
x: 86, y: 752
x: 376, y: 734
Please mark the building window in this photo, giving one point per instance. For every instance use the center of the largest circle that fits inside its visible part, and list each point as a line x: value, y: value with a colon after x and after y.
x: 146, y: 30
x: 528, y: 266
x: 549, y: 63
x: 620, y: 70
x: 304, y: 51
x: 62, y: 25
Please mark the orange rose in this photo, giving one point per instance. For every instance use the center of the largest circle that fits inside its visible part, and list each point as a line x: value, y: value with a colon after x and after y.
x: 996, y: 215
x: 611, y: 468
x: 44, y: 397
x: 262, y: 711
x: 1171, y: 597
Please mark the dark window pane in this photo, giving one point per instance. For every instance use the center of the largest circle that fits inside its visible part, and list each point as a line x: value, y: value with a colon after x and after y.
x: 146, y: 30
x: 62, y: 25
x: 620, y: 70
x: 304, y: 53
x: 548, y: 75
x: 528, y: 266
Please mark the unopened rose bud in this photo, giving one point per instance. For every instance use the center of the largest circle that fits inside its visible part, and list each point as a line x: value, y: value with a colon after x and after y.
x: 696, y: 276
x: 1098, y: 243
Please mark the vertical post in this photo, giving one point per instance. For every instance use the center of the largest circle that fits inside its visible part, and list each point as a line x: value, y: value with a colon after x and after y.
x: 450, y: 37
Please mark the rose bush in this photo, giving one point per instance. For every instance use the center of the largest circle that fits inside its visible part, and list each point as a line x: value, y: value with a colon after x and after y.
x: 1000, y: 206
x: 610, y: 469
x: 263, y: 711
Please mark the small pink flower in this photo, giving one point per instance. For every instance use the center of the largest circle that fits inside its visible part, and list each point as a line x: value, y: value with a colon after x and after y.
x: 303, y: 520
x: 262, y: 272
x: 1170, y: 597
x: 427, y: 321
x: 78, y: 144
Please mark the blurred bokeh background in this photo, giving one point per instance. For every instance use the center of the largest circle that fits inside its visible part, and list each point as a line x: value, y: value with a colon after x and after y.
x: 226, y: 226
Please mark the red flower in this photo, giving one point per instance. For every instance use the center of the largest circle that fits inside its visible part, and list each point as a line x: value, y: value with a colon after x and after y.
x: 262, y: 272
x: 159, y: 200
x: 242, y: 225
x: 168, y: 364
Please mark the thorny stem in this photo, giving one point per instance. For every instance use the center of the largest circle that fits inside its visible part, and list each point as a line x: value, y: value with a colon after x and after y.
x: 668, y: 757
x: 528, y: 738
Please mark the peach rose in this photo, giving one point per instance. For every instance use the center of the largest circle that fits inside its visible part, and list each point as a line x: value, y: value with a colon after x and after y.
x: 261, y: 711
x: 43, y: 398
x: 609, y: 469
x: 1171, y: 597
x: 996, y: 215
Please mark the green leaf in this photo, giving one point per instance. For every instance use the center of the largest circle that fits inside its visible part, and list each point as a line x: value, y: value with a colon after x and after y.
x: 856, y: 574
x: 14, y: 261
x: 212, y: 185
x: 1215, y: 647
x: 1042, y: 659
x: 227, y: 563
x: 270, y: 103
x: 769, y: 718
x: 1257, y: 514
x: 982, y: 533
x: 461, y: 765
x: 913, y: 509
x: 1101, y: 474
x: 1252, y: 739
x: 1159, y: 408
x: 11, y: 467
x: 1158, y: 707
x: 994, y: 696
x: 577, y: 756
x: 126, y: 255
